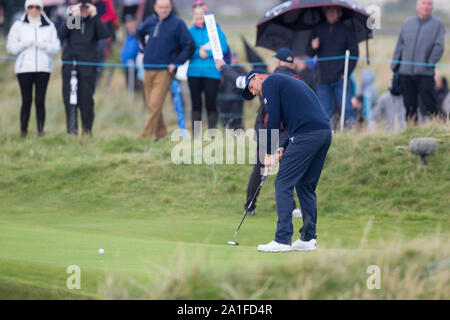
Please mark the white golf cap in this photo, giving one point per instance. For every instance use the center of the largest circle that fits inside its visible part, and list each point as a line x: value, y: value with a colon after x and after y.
x: 34, y: 3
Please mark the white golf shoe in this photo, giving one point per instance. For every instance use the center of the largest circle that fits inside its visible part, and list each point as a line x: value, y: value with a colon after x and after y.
x: 274, y: 246
x: 300, y: 245
x: 296, y: 213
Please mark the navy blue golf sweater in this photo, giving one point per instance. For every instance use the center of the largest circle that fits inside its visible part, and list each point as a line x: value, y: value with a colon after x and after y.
x: 293, y: 103
x: 168, y: 41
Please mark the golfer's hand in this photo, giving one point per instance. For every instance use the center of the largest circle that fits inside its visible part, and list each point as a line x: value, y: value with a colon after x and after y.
x: 279, y: 154
x: 219, y: 63
x: 315, y: 43
x: 269, y: 161
x: 171, y: 68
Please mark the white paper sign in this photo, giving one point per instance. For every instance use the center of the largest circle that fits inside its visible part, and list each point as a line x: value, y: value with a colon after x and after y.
x: 213, y: 36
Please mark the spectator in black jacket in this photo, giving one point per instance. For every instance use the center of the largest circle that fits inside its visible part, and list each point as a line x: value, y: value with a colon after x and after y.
x: 331, y: 39
x: 305, y: 72
x: 229, y: 100
x: 441, y: 90
x: 80, y: 42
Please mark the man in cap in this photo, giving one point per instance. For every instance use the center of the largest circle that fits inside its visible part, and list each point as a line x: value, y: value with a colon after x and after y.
x: 284, y: 62
x: 293, y: 104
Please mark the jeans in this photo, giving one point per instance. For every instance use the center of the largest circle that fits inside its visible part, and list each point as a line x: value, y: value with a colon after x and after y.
x: 328, y: 92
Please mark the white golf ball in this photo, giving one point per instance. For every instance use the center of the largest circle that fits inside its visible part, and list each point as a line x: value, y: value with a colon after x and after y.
x: 101, y: 251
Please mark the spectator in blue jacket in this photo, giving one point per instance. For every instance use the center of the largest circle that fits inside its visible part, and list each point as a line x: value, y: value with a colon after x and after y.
x: 203, y: 75
x: 167, y: 41
x: 130, y: 48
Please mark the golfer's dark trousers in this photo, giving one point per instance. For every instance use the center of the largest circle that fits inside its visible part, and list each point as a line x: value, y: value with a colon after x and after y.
x: 86, y: 87
x: 255, y: 180
x: 300, y: 167
x: 414, y: 87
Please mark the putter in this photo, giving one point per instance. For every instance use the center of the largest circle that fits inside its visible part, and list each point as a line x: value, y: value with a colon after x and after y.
x: 235, y: 243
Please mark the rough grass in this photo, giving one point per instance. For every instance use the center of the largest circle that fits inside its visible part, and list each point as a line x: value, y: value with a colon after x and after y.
x: 164, y: 226
x: 416, y: 270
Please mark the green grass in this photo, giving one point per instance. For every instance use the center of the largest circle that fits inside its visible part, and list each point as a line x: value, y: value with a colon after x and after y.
x: 164, y: 227
x: 62, y: 198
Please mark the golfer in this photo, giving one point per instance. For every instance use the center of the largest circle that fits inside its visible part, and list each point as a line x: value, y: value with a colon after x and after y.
x: 291, y: 102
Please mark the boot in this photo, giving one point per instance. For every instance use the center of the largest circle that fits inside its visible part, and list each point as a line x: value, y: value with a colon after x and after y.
x: 40, y: 128
x: 196, y: 116
x: 72, y: 119
x: 212, y: 120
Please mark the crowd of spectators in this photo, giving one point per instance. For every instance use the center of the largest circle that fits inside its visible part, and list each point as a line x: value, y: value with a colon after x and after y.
x: 157, y: 42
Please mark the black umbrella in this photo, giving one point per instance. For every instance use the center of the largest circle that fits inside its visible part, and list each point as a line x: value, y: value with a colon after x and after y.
x: 289, y: 23
x: 253, y: 56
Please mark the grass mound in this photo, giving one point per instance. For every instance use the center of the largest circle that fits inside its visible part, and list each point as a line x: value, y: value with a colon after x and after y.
x: 62, y: 198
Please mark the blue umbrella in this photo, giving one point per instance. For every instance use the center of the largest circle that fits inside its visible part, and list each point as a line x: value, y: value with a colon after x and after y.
x: 175, y: 87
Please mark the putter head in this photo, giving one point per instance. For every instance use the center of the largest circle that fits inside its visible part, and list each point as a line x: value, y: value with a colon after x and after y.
x: 233, y: 243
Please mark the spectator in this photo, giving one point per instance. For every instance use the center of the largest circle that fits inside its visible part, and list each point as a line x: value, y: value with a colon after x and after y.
x: 390, y: 109
x: 51, y: 6
x: 305, y: 72
x: 446, y: 106
x: 34, y: 40
x: 80, y: 45
x: 167, y: 46
x: 130, y: 49
x: 11, y: 8
x: 107, y: 13
x: 367, y: 96
x: 329, y: 39
x: 203, y: 76
x: 441, y: 90
x: 130, y: 7
x: 229, y: 100
x: 421, y: 40
x: 146, y: 9
x: 284, y: 63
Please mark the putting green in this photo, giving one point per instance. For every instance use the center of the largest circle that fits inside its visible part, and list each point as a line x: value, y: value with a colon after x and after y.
x: 62, y: 199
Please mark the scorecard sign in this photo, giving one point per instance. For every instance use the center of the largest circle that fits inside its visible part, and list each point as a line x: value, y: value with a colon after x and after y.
x: 213, y: 35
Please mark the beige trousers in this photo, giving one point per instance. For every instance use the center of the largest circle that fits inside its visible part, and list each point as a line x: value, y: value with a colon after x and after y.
x: 157, y: 85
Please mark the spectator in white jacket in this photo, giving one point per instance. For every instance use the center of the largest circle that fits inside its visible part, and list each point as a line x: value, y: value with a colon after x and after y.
x: 34, y: 40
